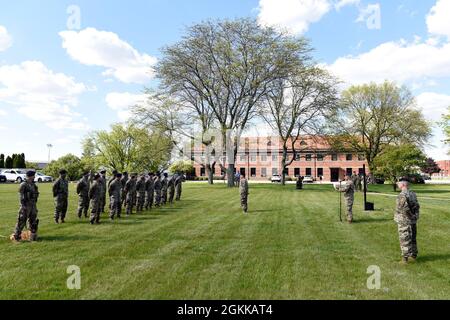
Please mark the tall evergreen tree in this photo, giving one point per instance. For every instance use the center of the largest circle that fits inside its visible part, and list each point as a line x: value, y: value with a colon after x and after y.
x: 8, y: 162
x: 2, y: 161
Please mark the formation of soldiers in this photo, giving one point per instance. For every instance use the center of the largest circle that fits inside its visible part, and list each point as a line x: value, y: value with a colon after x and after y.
x: 140, y: 192
x: 145, y: 191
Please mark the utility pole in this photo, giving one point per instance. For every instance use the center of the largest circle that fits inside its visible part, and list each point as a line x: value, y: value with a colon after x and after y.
x: 49, y: 146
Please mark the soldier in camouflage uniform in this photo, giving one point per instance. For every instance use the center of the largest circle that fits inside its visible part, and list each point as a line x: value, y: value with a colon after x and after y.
x: 95, y: 198
x: 348, y: 188
x: 171, y: 187
x: 115, y: 193
x: 141, y: 192
x: 110, y: 180
x: 164, y: 187
x: 243, y: 191
x: 61, y: 195
x: 124, y: 181
x: 354, y: 179
x: 83, y: 196
x: 103, y: 185
x: 406, y: 216
x: 28, y: 196
x: 150, y: 190
x: 158, y: 187
x: 178, y: 187
x: 130, y: 191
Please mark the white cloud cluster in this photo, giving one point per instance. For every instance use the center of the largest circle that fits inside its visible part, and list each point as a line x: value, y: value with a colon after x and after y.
x: 5, y: 39
x: 438, y: 19
x: 296, y: 16
x: 122, y: 101
x: 105, y: 49
x: 42, y: 95
x: 434, y: 105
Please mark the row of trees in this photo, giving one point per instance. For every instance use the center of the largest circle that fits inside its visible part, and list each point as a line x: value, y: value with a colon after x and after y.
x: 228, y: 75
x: 14, y: 161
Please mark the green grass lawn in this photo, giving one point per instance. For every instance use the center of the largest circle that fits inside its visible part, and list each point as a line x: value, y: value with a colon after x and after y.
x: 290, y: 246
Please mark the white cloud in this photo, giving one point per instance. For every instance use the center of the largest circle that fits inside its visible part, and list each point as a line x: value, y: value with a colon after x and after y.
x: 41, y: 94
x: 434, y: 105
x: 438, y: 19
x: 105, y: 49
x: 343, y: 3
x: 3, y: 113
x: 122, y: 101
x: 5, y: 39
x: 293, y: 15
x: 399, y: 61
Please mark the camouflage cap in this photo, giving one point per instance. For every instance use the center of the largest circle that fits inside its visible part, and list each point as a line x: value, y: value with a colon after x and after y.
x: 31, y: 173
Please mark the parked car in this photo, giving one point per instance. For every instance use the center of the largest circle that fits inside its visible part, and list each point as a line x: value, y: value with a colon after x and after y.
x: 276, y: 178
x: 415, y: 178
x: 2, y: 178
x: 14, y: 175
x: 40, y: 177
x: 308, y: 179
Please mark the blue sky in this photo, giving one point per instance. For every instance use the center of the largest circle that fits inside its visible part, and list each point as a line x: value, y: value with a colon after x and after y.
x: 61, y: 76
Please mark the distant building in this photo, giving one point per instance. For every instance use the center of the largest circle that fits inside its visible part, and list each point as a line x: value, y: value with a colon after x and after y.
x: 40, y: 165
x: 444, y: 165
x: 260, y: 159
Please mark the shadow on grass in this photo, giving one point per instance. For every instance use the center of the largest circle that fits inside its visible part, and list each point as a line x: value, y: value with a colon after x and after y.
x: 434, y: 257
x: 261, y: 211
x: 382, y: 220
x: 64, y: 238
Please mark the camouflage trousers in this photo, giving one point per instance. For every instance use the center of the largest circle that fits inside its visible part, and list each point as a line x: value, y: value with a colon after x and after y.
x: 27, y: 212
x: 149, y: 200
x: 61, y: 205
x: 157, y: 198
x: 178, y: 193
x: 244, y: 202
x: 115, y: 206
x: 408, y: 240
x: 349, y: 207
x: 95, y: 210
x: 163, y: 196
x: 130, y: 203
x: 140, y: 201
x: 171, y: 195
x: 102, y: 202
x: 83, y: 206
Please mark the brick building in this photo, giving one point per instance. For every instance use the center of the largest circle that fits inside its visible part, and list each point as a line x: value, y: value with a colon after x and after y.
x: 260, y: 159
x: 444, y: 165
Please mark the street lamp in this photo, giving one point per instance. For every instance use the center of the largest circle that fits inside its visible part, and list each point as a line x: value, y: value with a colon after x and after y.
x: 49, y: 146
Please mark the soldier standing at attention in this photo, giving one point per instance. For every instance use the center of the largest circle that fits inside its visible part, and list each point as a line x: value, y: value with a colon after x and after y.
x: 130, y: 191
x: 113, y: 177
x: 103, y: 184
x: 354, y: 179
x: 171, y: 186
x: 150, y: 189
x: 348, y: 188
x: 95, y: 197
x: 164, y: 187
x: 406, y: 216
x: 178, y: 186
x: 61, y: 195
x: 243, y: 191
x: 141, y: 192
x: 83, y: 195
x: 124, y: 181
x: 28, y: 197
x: 115, y: 193
x: 158, y: 187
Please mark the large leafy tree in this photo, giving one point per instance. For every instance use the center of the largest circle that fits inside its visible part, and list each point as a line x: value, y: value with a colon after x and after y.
x: 398, y: 161
x: 430, y: 167
x: 228, y: 66
x: 446, y: 126
x: 69, y: 162
x: 297, y: 105
x: 127, y: 147
x: 375, y: 116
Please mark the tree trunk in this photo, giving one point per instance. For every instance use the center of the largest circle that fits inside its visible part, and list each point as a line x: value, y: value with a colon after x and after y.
x: 210, y: 174
x: 230, y: 175
x: 283, y: 166
x: 395, y: 187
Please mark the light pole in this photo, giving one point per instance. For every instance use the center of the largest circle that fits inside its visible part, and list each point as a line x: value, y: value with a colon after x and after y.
x: 49, y: 146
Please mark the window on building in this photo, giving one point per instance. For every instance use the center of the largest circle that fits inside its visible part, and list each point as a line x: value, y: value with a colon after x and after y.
x: 274, y: 157
x: 297, y: 172
x: 202, y: 172
x: 349, y: 157
x: 253, y: 172
x: 253, y: 158
x: 308, y: 171
x: 274, y: 171
x: 308, y: 157
x: 361, y: 157
x: 320, y: 157
x: 334, y: 157
x: 361, y: 171
x: 298, y: 157
x: 286, y: 171
x: 349, y: 171
x: 242, y: 171
x: 320, y: 172
x: 242, y: 158
x: 264, y: 158
x: 263, y: 172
